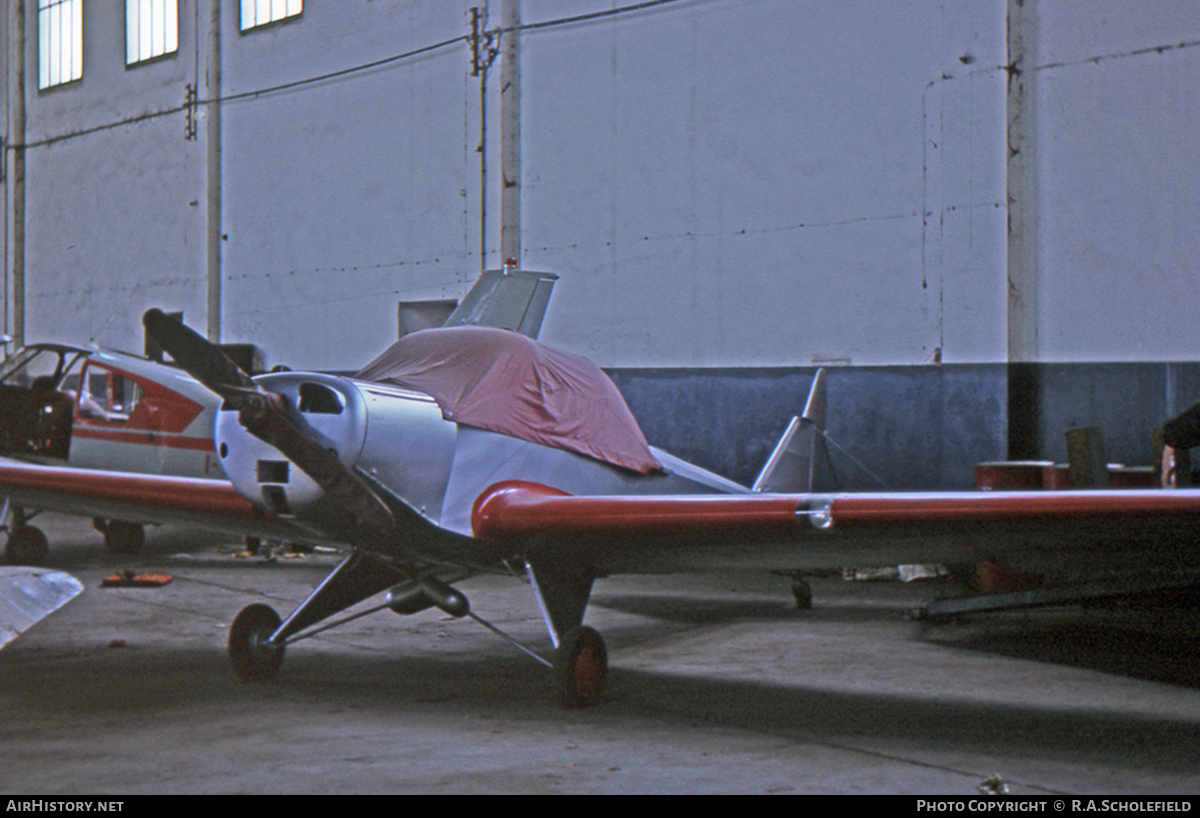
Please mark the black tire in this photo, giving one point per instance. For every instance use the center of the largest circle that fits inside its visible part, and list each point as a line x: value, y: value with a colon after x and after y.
x: 26, y: 546
x: 580, y: 668
x: 253, y: 658
x: 124, y: 539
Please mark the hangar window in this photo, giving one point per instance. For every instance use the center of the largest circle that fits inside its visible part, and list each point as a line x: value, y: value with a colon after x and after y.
x: 60, y: 42
x: 257, y: 13
x: 151, y: 29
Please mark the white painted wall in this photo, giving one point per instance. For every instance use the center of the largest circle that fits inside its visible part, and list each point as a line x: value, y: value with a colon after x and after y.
x: 1119, y: 170
x: 347, y: 196
x: 718, y: 182
x: 743, y: 182
x: 115, y: 214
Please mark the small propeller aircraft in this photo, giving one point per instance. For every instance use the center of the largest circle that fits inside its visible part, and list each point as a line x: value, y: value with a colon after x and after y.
x: 96, y: 409
x: 87, y: 408
x: 473, y: 448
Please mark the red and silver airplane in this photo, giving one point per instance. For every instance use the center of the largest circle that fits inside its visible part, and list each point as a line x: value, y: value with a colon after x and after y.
x: 470, y: 449
x: 100, y: 410
x: 89, y: 409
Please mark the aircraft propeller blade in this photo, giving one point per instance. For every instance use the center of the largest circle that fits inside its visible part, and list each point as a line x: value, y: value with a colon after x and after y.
x: 199, y: 357
x: 265, y: 415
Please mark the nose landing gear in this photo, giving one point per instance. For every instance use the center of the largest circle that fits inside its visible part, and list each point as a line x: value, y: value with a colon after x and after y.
x: 254, y: 657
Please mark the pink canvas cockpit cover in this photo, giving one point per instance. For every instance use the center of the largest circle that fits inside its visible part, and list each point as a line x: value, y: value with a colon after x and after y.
x: 503, y: 381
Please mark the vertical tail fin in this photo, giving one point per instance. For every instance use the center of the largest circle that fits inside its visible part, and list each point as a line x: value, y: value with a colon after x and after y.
x: 800, y: 462
x: 509, y: 299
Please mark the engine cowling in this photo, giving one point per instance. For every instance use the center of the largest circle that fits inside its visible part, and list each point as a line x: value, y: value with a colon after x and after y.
x: 328, y: 409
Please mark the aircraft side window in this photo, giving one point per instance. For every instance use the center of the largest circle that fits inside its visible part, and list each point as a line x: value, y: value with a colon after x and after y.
x: 124, y: 395
x: 108, y: 395
x: 92, y: 391
x: 32, y: 365
x: 12, y: 373
x: 69, y: 385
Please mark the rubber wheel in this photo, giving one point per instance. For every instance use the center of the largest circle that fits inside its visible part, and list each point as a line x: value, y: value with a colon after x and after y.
x: 26, y: 546
x: 124, y: 539
x: 580, y: 668
x: 253, y: 658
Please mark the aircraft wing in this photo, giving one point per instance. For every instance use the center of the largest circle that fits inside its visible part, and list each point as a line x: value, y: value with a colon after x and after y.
x: 29, y: 594
x: 213, y: 504
x: 1047, y: 529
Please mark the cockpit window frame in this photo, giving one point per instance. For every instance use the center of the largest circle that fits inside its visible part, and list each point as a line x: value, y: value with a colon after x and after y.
x: 67, y: 361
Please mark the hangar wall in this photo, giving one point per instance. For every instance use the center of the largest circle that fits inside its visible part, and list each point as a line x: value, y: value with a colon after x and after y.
x: 1119, y: 180
x: 694, y: 170
x: 733, y: 191
x: 114, y: 195
x: 767, y: 183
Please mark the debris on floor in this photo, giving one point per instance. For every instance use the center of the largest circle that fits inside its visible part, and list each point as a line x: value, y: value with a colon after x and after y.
x: 128, y: 579
x: 893, y: 573
x: 993, y: 786
x: 271, y: 550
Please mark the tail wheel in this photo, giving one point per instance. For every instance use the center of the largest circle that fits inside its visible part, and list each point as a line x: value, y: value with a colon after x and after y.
x: 26, y: 546
x: 580, y: 668
x: 253, y: 656
x: 124, y: 538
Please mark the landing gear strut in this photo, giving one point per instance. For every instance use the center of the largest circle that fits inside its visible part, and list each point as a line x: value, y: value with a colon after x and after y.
x: 254, y: 658
x: 802, y: 593
x: 580, y: 668
x: 257, y: 637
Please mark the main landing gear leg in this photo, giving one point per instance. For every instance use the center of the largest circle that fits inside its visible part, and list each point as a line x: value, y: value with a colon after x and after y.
x: 562, y: 587
x: 802, y: 593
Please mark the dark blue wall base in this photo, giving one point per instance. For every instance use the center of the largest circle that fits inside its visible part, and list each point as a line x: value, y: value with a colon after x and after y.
x: 904, y: 428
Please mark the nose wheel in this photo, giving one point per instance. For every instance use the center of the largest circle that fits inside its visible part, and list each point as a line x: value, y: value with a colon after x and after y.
x: 580, y: 668
x: 254, y: 657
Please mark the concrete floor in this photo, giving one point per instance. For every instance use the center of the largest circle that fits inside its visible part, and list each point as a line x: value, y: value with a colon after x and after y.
x: 717, y: 685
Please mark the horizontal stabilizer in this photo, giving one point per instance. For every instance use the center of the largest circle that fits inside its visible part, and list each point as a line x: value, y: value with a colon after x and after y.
x: 30, y: 594
x: 508, y: 299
